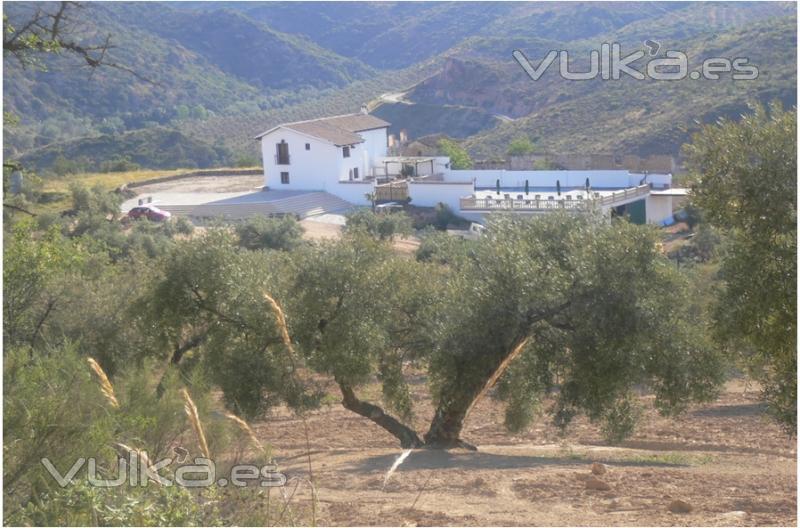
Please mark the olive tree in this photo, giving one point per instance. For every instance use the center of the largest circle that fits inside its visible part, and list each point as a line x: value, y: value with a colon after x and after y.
x: 745, y: 184
x: 583, y: 305
x: 209, y: 305
x: 576, y: 303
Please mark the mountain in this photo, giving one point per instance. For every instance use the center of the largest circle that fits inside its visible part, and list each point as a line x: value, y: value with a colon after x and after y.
x: 628, y: 116
x: 221, y: 72
x: 190, y: 65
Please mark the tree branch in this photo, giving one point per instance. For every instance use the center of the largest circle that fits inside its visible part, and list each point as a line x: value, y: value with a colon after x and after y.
x: 407, y: 436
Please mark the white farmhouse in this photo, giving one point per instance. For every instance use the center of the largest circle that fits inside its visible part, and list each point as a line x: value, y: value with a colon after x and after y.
x: 346, y: 156
x: 321, y: 154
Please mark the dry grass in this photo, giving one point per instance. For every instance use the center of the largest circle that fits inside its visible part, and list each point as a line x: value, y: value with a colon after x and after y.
x: 281, y: 318
x: 194, y: 420
x: 246, y: 429
x: 108, y: 180
x: 105, y: 384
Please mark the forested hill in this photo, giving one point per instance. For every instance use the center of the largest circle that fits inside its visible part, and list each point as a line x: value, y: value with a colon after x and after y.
x: 220, y: 72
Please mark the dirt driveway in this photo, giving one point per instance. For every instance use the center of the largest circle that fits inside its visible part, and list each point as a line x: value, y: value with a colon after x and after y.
x: 202, y: 184
x: 726, y: 460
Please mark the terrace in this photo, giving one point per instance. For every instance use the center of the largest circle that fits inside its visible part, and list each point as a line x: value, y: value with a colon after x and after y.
x: 543, y: 199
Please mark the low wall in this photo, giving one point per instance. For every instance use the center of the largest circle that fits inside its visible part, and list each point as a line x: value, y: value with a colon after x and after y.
x: 537, y: 178
x: 429, y: 194
x: 354, y: 192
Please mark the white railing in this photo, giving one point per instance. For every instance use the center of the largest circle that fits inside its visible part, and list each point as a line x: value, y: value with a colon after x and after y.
x: 550, y: 204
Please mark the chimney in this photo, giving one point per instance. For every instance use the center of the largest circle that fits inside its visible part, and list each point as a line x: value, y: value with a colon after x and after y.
x: 364, y: 109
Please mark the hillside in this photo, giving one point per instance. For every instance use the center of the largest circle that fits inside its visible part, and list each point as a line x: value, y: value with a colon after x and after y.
x: 192, y: 66
x: 221, y: 72
x: 630, y: 116
x: 153, y: 148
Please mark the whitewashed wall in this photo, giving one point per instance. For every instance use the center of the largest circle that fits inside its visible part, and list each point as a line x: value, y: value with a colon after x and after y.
x: 659, y: 208
x: 353, y: 192
x: 355, y: 161
x: 375, y: 145
x: 309, y: 170
x: 428, y: 194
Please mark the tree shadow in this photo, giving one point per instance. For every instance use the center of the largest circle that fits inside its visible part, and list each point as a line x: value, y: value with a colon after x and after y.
x: 748, y: 409
x: 457, y: 459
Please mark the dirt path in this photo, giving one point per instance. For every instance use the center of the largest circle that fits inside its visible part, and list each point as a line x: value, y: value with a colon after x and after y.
x: 727, y: 460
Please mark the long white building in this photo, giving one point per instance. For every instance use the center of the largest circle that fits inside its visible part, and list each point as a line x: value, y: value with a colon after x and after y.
x: 346, y: 156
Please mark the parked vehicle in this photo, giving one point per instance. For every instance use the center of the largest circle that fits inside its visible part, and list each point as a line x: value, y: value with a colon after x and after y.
x: 473, y: 233
x: 151, y: 212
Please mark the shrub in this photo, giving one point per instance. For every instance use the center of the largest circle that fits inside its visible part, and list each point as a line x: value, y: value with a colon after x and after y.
x: 382, y: 226
x: 260, y: 232
x: 444, y: 216
x: 184, y: 226
x: 521, y: 146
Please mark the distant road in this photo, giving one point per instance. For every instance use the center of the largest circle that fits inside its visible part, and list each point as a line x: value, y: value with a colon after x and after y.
x: 396, y: 97
x: 399, y: 97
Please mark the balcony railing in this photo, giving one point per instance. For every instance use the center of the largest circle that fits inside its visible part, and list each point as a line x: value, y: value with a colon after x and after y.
x: 281, y: 160
x: 550, y: 204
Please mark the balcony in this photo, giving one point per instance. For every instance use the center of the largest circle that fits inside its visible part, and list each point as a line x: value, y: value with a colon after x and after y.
x: 282, y: 159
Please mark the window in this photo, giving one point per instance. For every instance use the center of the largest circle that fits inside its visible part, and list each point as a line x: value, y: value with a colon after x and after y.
x: 308, y: 146
x: 284, y: 177
x: 282, y: 153
x: 355, y: 173
x: 345, y: 152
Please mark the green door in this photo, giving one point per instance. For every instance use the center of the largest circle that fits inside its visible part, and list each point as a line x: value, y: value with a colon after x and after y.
x: 637, y: 211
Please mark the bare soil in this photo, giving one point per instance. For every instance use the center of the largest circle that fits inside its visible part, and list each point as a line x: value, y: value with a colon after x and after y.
x: 194, y: 184
x: 727, y: 460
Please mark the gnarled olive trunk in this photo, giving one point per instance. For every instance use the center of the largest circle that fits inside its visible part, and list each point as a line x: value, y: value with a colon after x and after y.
x: 407, y: 436
x: 445, y: 429
x: 448, y: 421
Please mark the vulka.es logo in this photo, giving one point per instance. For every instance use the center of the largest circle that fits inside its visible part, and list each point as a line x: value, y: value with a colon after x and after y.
x: 608, y: 63
x: 139, y: 471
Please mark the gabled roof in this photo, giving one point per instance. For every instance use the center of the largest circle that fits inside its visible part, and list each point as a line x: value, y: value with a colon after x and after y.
x: 339, y: 130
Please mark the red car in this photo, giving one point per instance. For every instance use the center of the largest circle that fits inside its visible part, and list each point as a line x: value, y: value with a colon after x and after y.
x: 151, y: 212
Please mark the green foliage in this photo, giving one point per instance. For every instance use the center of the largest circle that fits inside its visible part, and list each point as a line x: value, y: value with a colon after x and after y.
x: 442, y: 248
x: 361, y: 311
x: 459, y: 158
x: 521, y: 146
x: 53, y: 408
x: 184, y: 226
x: 119, y: 164
x: 83, y: 505
x: 746, y: 186
x: 260, y: 232
x: 444, y: 216
x: 213, y: 291
x: 154, y: 147
x: 694, y: 215
x: 602, y: 311
x: 383, y: 226
x: 33, y: 270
